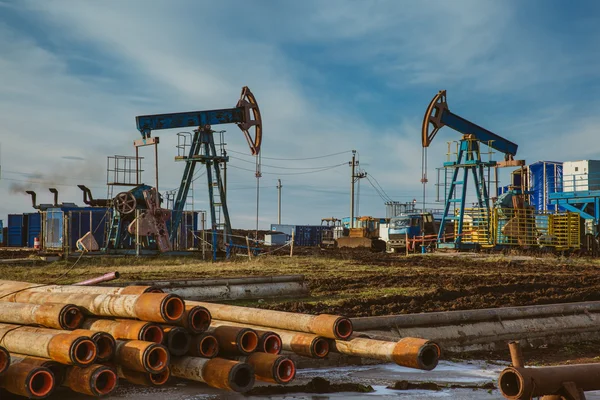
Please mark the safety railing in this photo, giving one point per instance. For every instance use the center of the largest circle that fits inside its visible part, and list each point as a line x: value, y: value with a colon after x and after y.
x: 580, y: 182
x: 476, y: 227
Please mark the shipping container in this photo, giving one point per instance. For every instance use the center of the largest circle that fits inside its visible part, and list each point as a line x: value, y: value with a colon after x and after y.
x: 16, y: 235
x: 275, y: 239
x: 33, y: 227
x: 287, y: 229
x: 581, y: 176
x: 545, y: 177
x: 79, y: 221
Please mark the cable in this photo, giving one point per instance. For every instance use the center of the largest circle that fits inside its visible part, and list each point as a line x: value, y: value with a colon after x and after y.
x: 280, y: 167
x: 293, y: 159
x: 293, y: 173
x: 383, y: 191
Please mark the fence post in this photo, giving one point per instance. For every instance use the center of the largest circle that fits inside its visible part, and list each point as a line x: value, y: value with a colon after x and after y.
x: 292, y: 245
x: 248, y: 247
x: 406, y: 242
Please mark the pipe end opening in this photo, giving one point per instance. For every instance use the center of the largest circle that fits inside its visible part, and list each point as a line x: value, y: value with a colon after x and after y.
x: 272, y: 344
x: 41, y: 383
x: 241, y: 378
x: 178, y: 341
x: 71, y: 317
x: 320, y: 347
x: 510, y: 384
x: 429, y: 356
x: 157, y: 359
x: 4, y: 359
x: 174, y: 308
x: 286, y: 371
x: 84, y: 351
x: 161, y: 378
x: 105, y: 345
x: 208, y: 347
x: 105, y: 381
x: 199, y: 319
x: 152, y: 333
x: 343, y: 328
x: 248, y: 341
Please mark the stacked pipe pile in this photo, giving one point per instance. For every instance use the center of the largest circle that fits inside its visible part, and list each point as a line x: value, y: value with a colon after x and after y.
x: 86, y: 338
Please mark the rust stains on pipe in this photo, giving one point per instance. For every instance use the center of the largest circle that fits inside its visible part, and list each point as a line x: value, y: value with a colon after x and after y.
x: 94, y: 380
x: 7, y: 286
x: 142, y: 356
x: 126, y: 329
x: 516, y: 355
x: 235, y: 340
x: 329, y: 326
x: 57, y: 369
x: 66, y: 348
x: 155, y: 307
x: 204, y: 345
x: 269, y: 342
x: 303, y: 344
x: 271, y: 367
x: 217, y: 372
x: 177, y: 340
x: 527, y: 383
x: 28, y: 380
x: 408, y: 352
x: 105, y: 343
x: 144, y: 378
x: 110, y: 276
x: 57, y: 316
x: 196, y: 319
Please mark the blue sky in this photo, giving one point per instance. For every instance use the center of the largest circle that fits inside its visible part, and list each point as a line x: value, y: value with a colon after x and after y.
x: 330, y: 76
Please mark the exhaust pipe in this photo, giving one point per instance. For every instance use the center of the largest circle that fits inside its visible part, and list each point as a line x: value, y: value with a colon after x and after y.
x: 408, y: 352
x: 328, y: 326
x: 57, y: 369
x: 95, y: 380
x: 105, y: 343
x: 155, y: 307
x: 57, y: 316
x: 142, y: 356
x: 177, y: 340
x: 303, y: 344
x: 144, y: 378
x: 527, y: 383
x: 217, y: 372
x: 66, y: 348
x: 235, y: 340
x: 196, y: 319
x: 33, y: 198
x: 28, y: 380
x: 204, y: 345
x: 127, y: 329
x: 111, y: 276
x: 271, y: 367
x: 55, y: 192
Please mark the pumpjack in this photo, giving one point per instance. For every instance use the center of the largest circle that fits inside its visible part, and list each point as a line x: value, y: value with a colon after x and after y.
x: 468, y: 163
x: 246, y: 115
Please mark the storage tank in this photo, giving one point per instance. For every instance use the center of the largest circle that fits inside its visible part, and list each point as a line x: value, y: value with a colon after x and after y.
x: 545, y: 177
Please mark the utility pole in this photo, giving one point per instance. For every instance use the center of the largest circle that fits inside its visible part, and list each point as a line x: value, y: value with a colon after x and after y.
x: 353, y: 179
x: 279, y: 186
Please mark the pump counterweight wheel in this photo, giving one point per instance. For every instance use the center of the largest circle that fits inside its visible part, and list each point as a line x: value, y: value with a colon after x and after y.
x: 248, y: 102
x: 433, y: 118
x: 125, y: 202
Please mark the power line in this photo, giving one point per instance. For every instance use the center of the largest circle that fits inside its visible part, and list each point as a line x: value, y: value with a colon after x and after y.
x: 281, y: 167
x: 293, y: 159
x: 290, y: 173
x: 383, y: 191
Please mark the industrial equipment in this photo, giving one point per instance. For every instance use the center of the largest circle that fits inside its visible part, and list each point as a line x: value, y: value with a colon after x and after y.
x: 364, y: 234
x: 407, y: 226
x: 469, y: 161
x: 202, y: 149
x: 333, y: 231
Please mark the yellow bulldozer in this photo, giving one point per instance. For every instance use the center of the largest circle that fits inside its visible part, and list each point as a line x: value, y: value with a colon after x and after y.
x: 364, y: 234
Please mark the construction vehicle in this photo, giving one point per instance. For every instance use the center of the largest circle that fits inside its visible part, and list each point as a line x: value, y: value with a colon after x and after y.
x: 407, y: 226
x: 333, y: 231
x: 364, y: 234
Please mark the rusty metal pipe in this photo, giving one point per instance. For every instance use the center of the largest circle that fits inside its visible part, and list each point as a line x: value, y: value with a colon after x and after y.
x: 110, y: 276
x: 217, y: 372
x: 131, y: 290
x: 94, y: 380
x: 57, y: 369
x: 269, y: 342
x: 235, y: 340
x: 271, y: 368
x: 57, y: 316
x: 408, y: 352
x: 28, y: 380
x: 155, y: 307
x: 144, y: 378
x: 516, y: 355
x: 527, y: 383
x: 204, y: 345
x: 196, y: 319
x: 177, y: 340
x: 5, y: 360
x: 127, y: 329
x: 105, y: 343
x: 329, y: 326
x: 303, y: 344
x: 142, y: 356
x: 66, y: 348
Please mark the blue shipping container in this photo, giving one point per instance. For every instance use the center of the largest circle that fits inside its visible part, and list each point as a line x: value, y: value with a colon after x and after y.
x: 1, y: 232
x: 15, y: 230
x: 545, y: 177
x: 85, y: 220
x: 33, y: 222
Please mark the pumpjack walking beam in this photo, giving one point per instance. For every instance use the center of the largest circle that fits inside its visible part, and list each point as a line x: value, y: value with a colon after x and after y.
x: 246, y: 115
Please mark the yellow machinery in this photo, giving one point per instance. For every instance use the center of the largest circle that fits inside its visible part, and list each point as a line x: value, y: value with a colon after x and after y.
x: 364, y: 234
